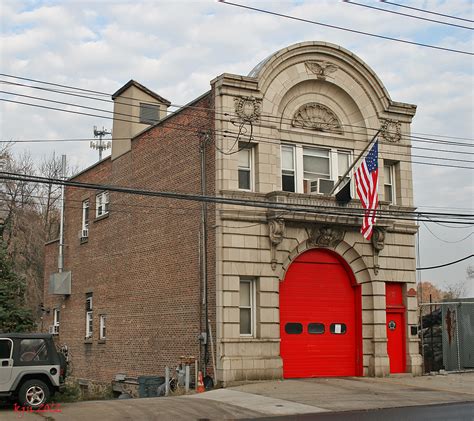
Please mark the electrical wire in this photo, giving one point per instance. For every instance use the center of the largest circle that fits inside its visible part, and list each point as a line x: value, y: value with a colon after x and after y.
x: 263, y: 117
x: 449, y: 226
x: 237, y: 135
x: 324, y: 210
x: 446, y: 264
x: 341, y: 28
x: 447, y: 241
x: 406, y: 14
x: 426, y: 11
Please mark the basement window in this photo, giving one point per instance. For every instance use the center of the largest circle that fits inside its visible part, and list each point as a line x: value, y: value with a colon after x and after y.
x: 149, y: 113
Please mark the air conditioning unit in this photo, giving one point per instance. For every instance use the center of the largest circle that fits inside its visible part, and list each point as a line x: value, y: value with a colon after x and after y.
x: 84, y: 233
x: 53, y: 329
x: 325, y: 186
x: 319, y: 186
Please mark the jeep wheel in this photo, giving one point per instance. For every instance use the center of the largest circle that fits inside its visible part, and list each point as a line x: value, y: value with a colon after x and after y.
x: 33, y: 393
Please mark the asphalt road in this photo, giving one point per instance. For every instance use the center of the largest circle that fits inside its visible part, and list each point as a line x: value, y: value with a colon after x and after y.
x: 443, y: 412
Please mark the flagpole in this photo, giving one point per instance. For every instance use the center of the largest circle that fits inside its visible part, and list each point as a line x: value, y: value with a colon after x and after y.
x: 354, y: 163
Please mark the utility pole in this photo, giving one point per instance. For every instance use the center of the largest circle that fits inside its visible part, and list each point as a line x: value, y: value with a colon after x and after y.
x: 98, y: 144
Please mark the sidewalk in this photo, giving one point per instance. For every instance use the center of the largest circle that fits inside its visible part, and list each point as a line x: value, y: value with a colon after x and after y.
x: 271, y: 398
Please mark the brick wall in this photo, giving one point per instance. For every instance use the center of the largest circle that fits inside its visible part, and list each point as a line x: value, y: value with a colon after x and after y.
x: 142, y: 261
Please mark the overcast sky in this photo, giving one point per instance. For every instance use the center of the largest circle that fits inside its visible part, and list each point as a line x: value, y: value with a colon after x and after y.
x: 175, y: 48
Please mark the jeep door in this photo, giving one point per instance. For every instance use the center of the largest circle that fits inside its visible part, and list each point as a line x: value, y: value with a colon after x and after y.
x: 6, y: 364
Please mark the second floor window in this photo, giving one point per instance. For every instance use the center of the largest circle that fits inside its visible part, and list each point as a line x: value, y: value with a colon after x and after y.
x: 312, y: 169
x: 245, y: 168
x: 85, y: 218
x: 288, y: 171
x: 102, y: 203
x: 389, y: 183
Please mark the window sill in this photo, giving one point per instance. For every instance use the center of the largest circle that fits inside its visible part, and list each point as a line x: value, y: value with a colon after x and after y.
x: 88, y: 341
x: 101, y: 341
x: 99, y: 218
x: 84, y: 240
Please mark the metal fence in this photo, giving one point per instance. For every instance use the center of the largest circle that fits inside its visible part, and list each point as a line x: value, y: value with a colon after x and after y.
x: 447, y: 335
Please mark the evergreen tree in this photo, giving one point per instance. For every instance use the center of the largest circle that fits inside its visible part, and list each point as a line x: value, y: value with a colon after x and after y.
x: 14, y: 315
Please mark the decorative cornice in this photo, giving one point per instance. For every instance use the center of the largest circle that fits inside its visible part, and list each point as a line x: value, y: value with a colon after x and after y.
x: 378, y: 244
x: 326, y: 236
x: 276, y: 232
x: 314, y: 116
x: 391, y: 130
x: 248, y: 109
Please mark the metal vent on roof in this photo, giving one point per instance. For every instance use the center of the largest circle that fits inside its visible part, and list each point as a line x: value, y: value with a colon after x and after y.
x: 149, y: 113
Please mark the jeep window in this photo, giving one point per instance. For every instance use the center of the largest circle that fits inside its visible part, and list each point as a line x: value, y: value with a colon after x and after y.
x: 33, y: 350
x: 5, y: 349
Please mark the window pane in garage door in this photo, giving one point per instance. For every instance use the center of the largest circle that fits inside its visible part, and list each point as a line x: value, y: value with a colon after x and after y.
x: 316, y: 328
x: 294, y: 328
x: 338, y: 328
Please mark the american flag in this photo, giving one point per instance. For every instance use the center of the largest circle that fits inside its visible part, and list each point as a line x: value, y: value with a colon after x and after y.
x: 367, y: 176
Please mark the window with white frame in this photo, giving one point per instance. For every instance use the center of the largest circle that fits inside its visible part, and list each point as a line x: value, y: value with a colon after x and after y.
x: 245, y: 167
x: 102, y: 322
x: 247, y: 306
x: 89, y: 316
x: 102, y: 203
x: 312, y: 169
x: 389, y: 183
x: 85, y: 219
x: 56, y: 319
x: 288, y: 168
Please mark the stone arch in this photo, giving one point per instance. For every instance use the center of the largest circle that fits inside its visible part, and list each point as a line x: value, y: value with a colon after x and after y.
x: 328, y: 55
x: 345, y: 251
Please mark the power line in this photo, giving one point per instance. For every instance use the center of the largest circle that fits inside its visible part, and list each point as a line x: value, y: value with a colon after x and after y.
x: 88, y: 139
x: 268, y: 117
x: 406, y: 14
x: 426, y: 11
x: 446, y: 264
x: 319, y: 209
x: 129, y: 115
x: 341, y: 28
x: 447, y: 241
x: 225, y: 131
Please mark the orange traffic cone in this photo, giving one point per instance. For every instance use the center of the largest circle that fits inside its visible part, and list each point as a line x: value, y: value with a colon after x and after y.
x: 200, y: 387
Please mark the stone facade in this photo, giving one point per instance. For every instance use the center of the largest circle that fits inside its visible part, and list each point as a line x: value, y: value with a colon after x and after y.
x: 143, y: 266
x: 309, y: 94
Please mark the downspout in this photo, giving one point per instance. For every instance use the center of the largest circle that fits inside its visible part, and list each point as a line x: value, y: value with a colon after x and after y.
x: 202, y: 148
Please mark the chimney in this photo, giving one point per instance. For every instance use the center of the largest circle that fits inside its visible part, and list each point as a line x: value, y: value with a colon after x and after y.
x: 135, y: 108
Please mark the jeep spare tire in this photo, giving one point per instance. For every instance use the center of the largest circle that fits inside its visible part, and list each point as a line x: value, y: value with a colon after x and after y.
x: 33, y: 393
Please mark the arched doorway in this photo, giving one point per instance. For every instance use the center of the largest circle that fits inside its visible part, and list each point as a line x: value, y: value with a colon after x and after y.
x: 320, y: 317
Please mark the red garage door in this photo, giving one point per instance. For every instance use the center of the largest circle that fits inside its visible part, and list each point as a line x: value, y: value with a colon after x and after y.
x: 320, y: 317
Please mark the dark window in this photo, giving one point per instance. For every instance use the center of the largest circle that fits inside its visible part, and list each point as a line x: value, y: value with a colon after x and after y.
x: 288, y: 182
x: 149, y: 113
x: 5, y: 348
x: 338, y: 328
x: 33, y: 350
x: 316, y: 328
x: 293, y: 328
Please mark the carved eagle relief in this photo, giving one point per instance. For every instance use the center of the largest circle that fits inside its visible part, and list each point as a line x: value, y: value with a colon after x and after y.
x: 321, y: 68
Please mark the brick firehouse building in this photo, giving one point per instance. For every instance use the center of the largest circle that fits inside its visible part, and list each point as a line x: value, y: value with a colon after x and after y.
x: 287, y: 293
